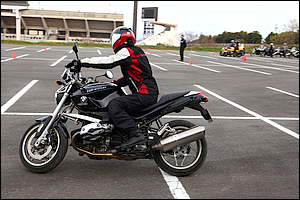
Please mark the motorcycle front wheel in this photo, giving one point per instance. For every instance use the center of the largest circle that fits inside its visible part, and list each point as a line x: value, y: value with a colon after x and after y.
x: 46, y: 157
x: 183, y: 160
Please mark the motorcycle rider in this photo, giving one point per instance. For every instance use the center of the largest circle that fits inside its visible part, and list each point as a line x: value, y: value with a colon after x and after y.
x: 232, y: 43
x: 261, y: 46
x: 137, y: 74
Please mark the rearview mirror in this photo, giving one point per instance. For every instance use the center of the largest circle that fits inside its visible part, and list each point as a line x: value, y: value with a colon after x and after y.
x: 109, y: 74
x: 75, y: 47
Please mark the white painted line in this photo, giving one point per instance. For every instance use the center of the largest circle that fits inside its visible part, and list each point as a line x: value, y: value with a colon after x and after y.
x: 99, y: 52
x: 228, y: 117
x: 260, y: 59
x: 241, y: 68
x: 177, y: 55
x: 71, y: 51
x: 15, y: 48
x: 175, y: 186
x: 7, y: 59
x: 17, y: 96
x: 286, y: 66
x: 198, y: 66
x: 153, y: 54
x: 292, y: 133
x: 294, y: 95
x: 14, y: 58
x: 56, y: 62
x: 182, y: 117
x: 21, y: 56
x: 286, y: 70
x: 158, y: 67
x: 204, y: 56
x: 44, y: 49
x: 25, y: 114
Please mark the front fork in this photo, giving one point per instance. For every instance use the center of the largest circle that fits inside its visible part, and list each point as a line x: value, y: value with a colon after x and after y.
x: 48, y: 122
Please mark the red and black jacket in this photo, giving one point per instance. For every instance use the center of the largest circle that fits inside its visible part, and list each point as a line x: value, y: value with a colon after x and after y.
x: 135, y: 67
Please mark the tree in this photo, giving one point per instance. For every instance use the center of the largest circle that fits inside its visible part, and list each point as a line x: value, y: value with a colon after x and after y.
x: 271, y: 37
x: 254, y: 38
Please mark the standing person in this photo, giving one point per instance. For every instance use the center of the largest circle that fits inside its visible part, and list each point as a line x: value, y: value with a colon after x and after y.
x: 182, y: 47
x: 271, y: 50
x: 285, y: 49
x: 137, y: 74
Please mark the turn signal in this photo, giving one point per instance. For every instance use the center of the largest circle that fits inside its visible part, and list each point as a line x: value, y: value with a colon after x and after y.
x: 59, y: 82
x: 204, y: 98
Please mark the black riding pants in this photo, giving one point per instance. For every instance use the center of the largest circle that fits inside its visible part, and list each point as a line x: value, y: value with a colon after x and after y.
x: 119, y: 108
x: 181, y: 53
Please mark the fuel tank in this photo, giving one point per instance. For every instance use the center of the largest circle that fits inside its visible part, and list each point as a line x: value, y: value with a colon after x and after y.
x: 94, y: 97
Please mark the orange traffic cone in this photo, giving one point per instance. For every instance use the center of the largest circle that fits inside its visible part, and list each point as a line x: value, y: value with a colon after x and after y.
x: 191, y: 62
x: 45, y: 47
x: 244, y: 58
x: 14, y: 55
x: 150, y: 52
x: 213, y: 53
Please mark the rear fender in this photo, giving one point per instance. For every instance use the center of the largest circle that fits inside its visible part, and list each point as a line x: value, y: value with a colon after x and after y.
x: 195, y: 104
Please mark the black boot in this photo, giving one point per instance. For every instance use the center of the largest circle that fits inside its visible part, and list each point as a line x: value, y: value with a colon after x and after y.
x: 136, y: 139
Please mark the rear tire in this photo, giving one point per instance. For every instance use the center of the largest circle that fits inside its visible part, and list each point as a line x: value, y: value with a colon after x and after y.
x: 183, y: 160
x: 48, y: 156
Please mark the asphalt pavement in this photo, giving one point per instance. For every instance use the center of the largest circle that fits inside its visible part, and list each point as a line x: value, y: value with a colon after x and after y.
x: 253, y: 142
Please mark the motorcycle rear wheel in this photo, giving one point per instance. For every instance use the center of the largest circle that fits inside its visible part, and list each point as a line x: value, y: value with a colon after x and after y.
x: 183, y: 160
x: 48, y: 156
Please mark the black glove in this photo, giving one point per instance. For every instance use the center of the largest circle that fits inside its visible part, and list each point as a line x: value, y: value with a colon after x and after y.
x: 76, y: 64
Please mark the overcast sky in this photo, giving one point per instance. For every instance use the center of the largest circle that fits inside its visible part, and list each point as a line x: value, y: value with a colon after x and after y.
x: 205, y: 17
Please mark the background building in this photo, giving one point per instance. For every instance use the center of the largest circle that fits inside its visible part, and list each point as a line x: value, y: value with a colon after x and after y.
x: 20, y: 23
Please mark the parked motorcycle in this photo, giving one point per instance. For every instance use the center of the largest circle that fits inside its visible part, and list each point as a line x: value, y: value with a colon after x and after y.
x: 292, y: 52
x: 178, y: 147
x: 229, y: 51
x: 279, y: 52
x: 259, y: 51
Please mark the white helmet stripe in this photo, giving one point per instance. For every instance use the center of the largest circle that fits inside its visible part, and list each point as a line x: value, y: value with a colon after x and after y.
x: 114, y: 38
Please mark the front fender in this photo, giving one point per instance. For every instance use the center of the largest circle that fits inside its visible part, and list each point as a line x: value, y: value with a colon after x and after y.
x: 64, y: 129
x: 43, y: 123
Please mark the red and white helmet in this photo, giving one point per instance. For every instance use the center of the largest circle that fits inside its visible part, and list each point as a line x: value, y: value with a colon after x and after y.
x: 120, y: 35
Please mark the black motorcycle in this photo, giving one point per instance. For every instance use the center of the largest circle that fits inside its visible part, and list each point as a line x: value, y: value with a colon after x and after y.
x: 178, y: 147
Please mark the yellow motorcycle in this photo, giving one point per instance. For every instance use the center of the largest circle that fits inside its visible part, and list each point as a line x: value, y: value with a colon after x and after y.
x: 230, y: 51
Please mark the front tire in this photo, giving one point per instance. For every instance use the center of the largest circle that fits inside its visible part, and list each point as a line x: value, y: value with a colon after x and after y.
x: 183, y: 160
x: 48, y: 156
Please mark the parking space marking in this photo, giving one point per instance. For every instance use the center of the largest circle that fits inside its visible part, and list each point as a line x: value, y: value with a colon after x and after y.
x: 14, y: 58
x: 204, y: 56
x: 286, y: 66
x: 44, y: 49
x: 56, y: 62
x: 153, y: 54
x: 294, y: 95
x: 175, y: 186
x: 292, y: 133
x: 198, y: 66
x: 15, y: 98
x: 251, y: 70
x: 172, y: 54
x: 229, y: 117
x: 99, y: 52
x: 262, y: 66
x: 158, y: 67
x: 16, y: 48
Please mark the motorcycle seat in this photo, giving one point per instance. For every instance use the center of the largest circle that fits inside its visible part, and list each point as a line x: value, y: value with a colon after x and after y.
x: 165, y: 98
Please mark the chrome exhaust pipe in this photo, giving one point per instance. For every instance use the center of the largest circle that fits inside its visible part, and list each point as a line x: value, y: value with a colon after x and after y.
x: 185, y: 137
